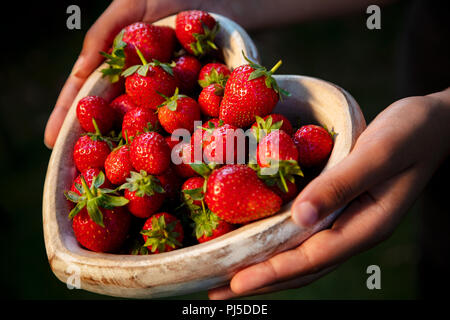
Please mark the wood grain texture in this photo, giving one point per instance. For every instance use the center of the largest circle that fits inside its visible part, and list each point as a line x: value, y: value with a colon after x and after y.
x: 206, y: 265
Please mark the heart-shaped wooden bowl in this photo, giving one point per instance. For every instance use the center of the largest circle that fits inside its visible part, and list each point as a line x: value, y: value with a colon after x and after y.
x: 206, y: 265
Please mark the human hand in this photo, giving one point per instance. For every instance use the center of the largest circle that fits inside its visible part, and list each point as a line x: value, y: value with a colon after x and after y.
x: 390, y: 164
x: 99, y: 38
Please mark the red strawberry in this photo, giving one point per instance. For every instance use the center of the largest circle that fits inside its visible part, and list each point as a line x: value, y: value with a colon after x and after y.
x: 271, y: 122
x: 94, y: 107
x: 144, y: 193
x: 216, y: 146
x: 314, y: 145
x: 88, y: 175
x: 213, y: 73
x: 186, y: 72
x: 192, y: 191
x: 122, y: 104
x: 178, y: 112
x: 250, y: 91
x: 277, y: 158
x: 210, y: 98
x: 237, y: 195
x: 145, y: 83
x: 118, y: 165
x: 187, y: 156
x: 91, y: 151
x: 154, y: 42
x: 139, y: 120
x: 171, y: 183
x: 196, y: 31
x: 150, y: 152
x: 99, y: 222
x: 102, y: 239
x: 275, y: 147
x: 202, y: 133
x: 162, y: 232
x: 208, y: 226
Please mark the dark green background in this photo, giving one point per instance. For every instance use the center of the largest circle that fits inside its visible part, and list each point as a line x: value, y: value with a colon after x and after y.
x: 38, y: 52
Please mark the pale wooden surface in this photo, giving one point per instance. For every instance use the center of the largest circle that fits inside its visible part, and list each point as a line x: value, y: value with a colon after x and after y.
x: 212, y: 263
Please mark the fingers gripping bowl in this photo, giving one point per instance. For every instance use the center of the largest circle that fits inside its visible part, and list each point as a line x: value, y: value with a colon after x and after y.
x: 212, y: 263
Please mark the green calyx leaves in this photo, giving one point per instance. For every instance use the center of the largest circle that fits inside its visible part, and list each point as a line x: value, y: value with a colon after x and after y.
x: 204, y: 223
x: 142, y: 69
x: 191, y: 195
x: 264, y: 127
x: 204, y: 42
x: 115, y: 60
x: 279, y: 172
x: 203, y: 169
x: 171, y: 103
x: 143, y: 184
x: 211, y: 126
x: 260, y: 71
x: 97, y: 136
x: 214, y: 77
x: 161, y: 235
x: 94, y: 198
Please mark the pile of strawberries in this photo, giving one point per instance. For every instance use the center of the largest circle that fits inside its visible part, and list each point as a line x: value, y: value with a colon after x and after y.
x: 152, y: 176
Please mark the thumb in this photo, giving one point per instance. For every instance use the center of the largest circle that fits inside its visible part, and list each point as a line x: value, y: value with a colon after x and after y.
x: 337, y: 186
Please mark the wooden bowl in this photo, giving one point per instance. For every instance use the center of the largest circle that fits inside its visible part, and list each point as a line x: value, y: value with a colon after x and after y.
x: 201, y: 266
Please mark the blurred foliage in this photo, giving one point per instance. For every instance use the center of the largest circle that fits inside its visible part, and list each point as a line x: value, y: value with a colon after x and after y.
x: 36, y: 62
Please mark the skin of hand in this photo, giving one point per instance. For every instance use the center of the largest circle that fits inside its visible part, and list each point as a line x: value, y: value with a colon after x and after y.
x: 377, y: 182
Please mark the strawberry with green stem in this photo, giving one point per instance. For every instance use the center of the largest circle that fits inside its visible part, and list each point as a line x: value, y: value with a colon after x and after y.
x: 236, y: 194
x: 196, y: 31
x: 206, y: 224
x: 92, y: 149
x: 99, y: 221
x: 95, y: 108
x: 88, y: 175
x: 210, y: 98
x: 155, y: 42
x: 118, y: 163
x: 250, y: 91
x: 213, y: 72
x: 145, y: 82
x: 277, y: 158
x: 144, y: 192
x: 178, y: 111
x: 269, y: 123
x: 162, y: 232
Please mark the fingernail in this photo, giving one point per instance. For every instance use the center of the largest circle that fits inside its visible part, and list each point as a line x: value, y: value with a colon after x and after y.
x: 78, y: 65
x: 48, y: 146
x: 305, y: 214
